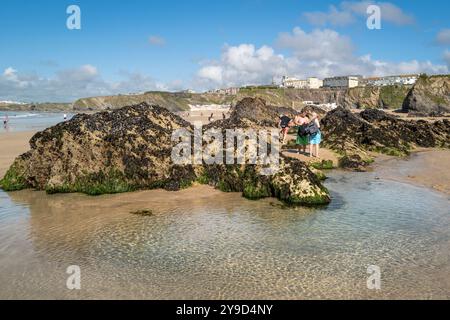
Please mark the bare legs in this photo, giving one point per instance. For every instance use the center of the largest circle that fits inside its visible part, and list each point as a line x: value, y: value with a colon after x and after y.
x: 314, y: 150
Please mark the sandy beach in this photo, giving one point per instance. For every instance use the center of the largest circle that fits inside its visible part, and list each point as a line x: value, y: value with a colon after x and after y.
x: 12, y: 145
x: 429, y: 169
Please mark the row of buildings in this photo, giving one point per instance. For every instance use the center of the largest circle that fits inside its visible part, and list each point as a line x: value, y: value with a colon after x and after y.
x: 228, y: 91
x: 310, y: 83
x: 348, y: 81
x: 351, y: 81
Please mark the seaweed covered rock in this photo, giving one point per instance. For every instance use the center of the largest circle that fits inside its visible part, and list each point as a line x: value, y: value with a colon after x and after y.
x: 353, y: 135
x: 106, y: 152
x: 255, y: 112
x: 430, y: 96
x: 131, y: 148
x: 293, y: 183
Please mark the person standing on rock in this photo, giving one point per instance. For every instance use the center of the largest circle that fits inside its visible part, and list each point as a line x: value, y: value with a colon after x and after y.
x: 315, y: 136
x: 284, y: 126
x: 302, y: 122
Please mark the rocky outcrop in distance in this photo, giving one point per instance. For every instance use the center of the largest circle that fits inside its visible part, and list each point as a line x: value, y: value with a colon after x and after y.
x: 130, y: 149
x: 180, y: 101
x: 389, y: 97
x: 386, y: 97
x: 42, y: 107
x: 430, y: 96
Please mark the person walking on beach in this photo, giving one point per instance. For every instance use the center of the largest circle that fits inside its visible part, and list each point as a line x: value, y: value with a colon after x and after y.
x: 284, y: 126
x: 5, y: 121
x: 315, y: 137
x: 302, y: 122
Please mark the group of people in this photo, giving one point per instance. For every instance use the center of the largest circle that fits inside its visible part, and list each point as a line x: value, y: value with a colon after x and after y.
x: 308, y: 131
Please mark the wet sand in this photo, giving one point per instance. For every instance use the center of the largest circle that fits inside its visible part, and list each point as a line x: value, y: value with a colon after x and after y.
x: 429, y: 169
x: 11, y: 146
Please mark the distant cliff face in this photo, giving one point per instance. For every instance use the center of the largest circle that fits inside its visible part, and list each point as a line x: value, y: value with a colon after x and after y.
x: 387, y: 97
x: 180, y: 101
x: 429, y: 97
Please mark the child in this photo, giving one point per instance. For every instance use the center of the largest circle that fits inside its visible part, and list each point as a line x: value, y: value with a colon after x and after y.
x: 284, y: 123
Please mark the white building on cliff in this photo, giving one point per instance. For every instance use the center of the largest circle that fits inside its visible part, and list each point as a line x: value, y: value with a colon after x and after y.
x: 341, y: 82
x: 310, y: 83
x: 408, y: 79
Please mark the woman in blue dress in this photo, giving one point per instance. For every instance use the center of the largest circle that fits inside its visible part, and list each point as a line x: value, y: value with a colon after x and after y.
x: 316, y: 138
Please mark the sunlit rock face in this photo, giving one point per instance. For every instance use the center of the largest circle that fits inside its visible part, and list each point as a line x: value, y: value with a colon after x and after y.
x: 430, y: 96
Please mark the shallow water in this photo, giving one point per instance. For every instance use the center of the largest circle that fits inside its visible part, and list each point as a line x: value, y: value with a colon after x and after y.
x: 30, y: 121
x: 204, y: 244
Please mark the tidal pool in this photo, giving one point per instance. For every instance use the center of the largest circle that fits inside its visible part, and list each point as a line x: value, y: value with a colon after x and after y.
x: 204, y: 244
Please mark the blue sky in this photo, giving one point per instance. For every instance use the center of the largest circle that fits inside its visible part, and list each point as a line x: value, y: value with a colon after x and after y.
x: 137, y: 45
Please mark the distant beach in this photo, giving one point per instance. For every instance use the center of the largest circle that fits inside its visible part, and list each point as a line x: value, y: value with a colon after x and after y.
x: 30, y: 121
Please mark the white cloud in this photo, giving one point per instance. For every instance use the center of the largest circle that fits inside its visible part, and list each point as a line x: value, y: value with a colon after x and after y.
x: 334, y: 17
x: 157, y: 41
x: 443, y: 37
x: 243, y: 64
x: 213, y: 73
x: 317, y: 45
x: 347, y: 11
x: 70, y: 84
x: 321, y: 53
x: 9, y: 72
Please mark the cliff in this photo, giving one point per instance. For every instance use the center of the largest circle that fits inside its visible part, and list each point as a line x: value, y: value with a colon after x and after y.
x: 387, y: 97
x: 180, y: 101
x: 430, y: 96
x: 390, y: 97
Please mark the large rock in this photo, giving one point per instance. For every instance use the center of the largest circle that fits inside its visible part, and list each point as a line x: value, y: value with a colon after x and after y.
x: 430, y: 96
x: 104, y: 153
x: 294, y: 182
x: 355, y: 135
x: 130, y: 149
x: 251, y: 112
